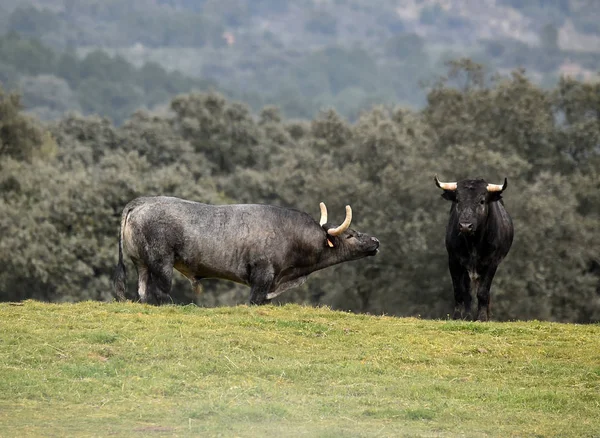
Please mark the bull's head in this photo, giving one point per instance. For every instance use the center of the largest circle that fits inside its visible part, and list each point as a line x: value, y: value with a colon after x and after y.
x: 471, y: 198
x: 343, y: 236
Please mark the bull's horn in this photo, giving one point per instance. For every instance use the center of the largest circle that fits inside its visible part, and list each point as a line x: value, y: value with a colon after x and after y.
x: 497, y: 187
x: 323, y: 219
x: 339, y: 230
x: 445, y: 185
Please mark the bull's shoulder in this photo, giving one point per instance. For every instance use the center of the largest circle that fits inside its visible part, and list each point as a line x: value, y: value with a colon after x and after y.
x: 291, y: 223
x: 500, y: 216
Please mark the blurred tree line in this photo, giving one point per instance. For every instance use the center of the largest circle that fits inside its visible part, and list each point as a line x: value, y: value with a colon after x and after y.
x: 53, y: 83
x: 64, y: 184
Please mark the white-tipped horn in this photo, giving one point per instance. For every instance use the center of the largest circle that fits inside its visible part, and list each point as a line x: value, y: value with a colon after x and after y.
x: 497, y: 187
x: 323, y: 219
x: 445, y: 185
x: 339, y: 230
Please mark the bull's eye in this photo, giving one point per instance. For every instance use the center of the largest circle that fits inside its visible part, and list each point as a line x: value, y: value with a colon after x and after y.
x: 482, y: 201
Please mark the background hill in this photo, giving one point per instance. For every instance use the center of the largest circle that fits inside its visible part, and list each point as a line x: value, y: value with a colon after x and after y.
x: 301, y: 55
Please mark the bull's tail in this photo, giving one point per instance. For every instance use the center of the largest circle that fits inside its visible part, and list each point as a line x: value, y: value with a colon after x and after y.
x: 120, y: 275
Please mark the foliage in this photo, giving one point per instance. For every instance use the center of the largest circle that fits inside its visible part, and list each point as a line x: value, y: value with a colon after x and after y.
x: 28, y: 56
x: 63, y: 189
x: 20, y: 136
x: 321, y: 22
x: 30, y: 21
x: 132, y: 370
x: 53, y: 84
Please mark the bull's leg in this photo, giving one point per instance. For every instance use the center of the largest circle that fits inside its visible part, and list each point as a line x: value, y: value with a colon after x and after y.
x: 161, y: 277
x: 483, y: 294
x: 197, y: 286
x: 462, y: 293
x: 261, y: 281
x: 143, y: 277
x: 259, y: 291
x: 467, y: 297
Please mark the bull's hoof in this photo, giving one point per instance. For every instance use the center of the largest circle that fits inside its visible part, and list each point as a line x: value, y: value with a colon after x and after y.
x: 458, y: 312
x: 162, y: 299
x: 259, y: 302
x: 483, y: 317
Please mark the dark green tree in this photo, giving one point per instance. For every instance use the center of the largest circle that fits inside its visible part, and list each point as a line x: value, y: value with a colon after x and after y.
x: 20, y: 136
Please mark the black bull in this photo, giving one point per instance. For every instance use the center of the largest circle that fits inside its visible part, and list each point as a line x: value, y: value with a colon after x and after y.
x: 269, y: 248
x: 478, y: 237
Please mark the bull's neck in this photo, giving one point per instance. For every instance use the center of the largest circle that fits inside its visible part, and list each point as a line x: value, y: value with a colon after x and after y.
x: 333, y: 257
x: 327, y: 257
x: 475, y: 239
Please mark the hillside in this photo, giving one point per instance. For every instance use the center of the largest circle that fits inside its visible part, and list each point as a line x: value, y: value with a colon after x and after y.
x: 353, y: 21
x: 133, y: 370
x: 307, y: 55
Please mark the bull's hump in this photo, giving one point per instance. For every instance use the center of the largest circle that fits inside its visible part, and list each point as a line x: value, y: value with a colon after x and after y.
x: 266, y: 215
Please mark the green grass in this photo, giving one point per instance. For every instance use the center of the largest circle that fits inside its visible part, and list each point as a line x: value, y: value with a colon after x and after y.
x: 94, y: 369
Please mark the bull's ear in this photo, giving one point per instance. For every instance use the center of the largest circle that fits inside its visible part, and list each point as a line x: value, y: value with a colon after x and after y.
x: 330, y: 241
x: 449, y: 195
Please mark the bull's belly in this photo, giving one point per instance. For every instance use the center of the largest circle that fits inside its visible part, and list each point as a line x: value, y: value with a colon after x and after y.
x: 200, y: 272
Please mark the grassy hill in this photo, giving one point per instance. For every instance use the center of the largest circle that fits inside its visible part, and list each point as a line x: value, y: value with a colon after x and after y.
x: 93, y: 369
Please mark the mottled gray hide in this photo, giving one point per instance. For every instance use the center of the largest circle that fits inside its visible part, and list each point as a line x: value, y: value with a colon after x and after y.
x: 479, y: 235
x: 269, y: 248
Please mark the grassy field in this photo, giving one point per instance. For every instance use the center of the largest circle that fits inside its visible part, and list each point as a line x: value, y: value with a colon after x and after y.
x: 96, y: 369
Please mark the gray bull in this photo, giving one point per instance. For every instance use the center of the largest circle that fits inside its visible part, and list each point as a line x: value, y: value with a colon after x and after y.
x: 269, y: 248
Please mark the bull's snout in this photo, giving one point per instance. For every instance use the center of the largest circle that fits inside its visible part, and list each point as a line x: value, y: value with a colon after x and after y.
x: 465, y: 227
x: 374, y: 246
